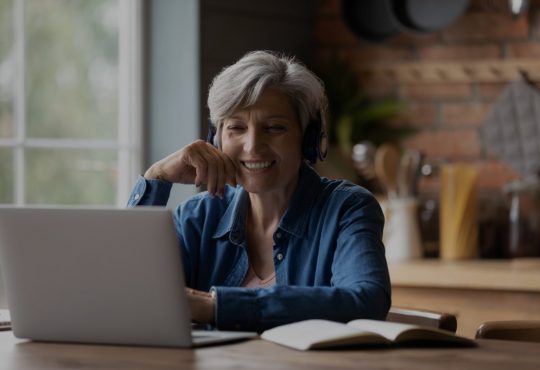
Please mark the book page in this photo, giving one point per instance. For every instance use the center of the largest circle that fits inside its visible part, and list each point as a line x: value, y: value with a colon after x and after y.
x: 389, y: 330
x: 311, y: 334
x: 397, y: 332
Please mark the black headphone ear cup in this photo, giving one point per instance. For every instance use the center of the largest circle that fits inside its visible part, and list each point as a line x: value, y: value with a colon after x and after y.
x: 314, y: 138
x: 212, y: 137
x: 310, y: 142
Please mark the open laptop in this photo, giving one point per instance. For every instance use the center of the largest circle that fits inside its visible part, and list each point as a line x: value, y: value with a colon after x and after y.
x: 110, y: 276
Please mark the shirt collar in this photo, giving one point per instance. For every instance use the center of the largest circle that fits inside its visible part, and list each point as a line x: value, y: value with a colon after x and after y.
x: 296, y: 216
x: 234, y: 218
x: 294, y: 220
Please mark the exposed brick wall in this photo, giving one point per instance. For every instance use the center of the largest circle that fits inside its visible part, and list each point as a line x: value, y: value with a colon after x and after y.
x: 447, y: 115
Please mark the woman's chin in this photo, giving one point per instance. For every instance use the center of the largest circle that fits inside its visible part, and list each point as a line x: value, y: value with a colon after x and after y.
x: 256, y: 188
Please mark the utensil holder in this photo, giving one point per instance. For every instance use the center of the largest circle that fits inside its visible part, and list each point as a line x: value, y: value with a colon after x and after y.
x: 401, y: 235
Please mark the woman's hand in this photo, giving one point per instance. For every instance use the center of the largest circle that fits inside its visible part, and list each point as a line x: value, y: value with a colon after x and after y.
x: 197, y: 163
x: 202, y: 306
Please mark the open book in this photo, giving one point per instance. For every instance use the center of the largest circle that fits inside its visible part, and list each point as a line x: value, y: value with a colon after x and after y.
x: 318, y: 334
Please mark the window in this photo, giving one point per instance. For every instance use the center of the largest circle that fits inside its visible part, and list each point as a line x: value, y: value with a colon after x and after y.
x: 70, y: 101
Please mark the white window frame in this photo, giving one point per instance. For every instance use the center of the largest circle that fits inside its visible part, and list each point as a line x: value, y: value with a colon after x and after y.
x: 130, y: 99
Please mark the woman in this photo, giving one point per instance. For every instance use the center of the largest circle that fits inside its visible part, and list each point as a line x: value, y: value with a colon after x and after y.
x: 271, y: 242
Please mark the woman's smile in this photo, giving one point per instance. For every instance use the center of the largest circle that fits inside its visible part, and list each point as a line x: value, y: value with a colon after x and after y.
x: 259, y: 166
x: 264, y: 140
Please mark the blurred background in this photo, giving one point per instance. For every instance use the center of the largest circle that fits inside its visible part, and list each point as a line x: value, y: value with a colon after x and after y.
x: 93, y: 92
x: 434, y: 107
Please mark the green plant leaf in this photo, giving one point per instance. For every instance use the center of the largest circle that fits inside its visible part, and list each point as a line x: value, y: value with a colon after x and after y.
x: 353, y: 116
x: 344, y: 133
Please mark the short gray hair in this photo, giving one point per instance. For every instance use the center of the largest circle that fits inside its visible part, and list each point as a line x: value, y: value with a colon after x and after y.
x: 240, y: 85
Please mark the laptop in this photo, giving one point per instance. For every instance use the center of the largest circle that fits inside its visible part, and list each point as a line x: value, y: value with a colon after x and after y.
x: 94, y: 275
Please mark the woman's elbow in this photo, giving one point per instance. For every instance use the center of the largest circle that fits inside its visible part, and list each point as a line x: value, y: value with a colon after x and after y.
x: 376, y: 301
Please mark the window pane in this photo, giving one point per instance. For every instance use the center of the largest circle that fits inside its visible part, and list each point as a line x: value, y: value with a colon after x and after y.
x: 6, y: 69
x: 71, y: 176
x: 7, y: 176
x: 72, y: 68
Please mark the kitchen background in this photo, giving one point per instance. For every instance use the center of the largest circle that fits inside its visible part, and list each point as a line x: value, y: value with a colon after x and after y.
x: 431, y: 92
x: 453, y: 96
x: 445, y: 114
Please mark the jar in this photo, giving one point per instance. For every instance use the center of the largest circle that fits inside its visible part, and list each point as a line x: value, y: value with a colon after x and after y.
x: 524, y: 217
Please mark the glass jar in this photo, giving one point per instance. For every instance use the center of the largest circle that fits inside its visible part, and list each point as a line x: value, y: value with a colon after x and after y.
x: 524, y: 217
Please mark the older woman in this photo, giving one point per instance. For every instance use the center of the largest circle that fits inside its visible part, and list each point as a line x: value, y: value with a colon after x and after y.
x: 271, y: 242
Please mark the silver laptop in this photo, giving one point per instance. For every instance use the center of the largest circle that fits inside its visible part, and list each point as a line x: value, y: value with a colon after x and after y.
x: 98, y: 276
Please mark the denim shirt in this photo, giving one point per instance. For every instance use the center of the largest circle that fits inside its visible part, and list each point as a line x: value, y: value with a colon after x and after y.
x: 328, y: 254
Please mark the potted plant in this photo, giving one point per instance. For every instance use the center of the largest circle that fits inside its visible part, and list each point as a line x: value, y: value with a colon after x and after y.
x: 354, y: 117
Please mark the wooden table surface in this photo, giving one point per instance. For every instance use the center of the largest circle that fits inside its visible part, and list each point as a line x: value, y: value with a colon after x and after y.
x: 258, y: 354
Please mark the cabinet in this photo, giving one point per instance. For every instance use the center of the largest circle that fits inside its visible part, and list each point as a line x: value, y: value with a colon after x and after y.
x: 474, y: 291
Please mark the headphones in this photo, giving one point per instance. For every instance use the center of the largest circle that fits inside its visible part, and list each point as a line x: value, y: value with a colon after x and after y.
x: 314, y: 143
x: 211, y: 137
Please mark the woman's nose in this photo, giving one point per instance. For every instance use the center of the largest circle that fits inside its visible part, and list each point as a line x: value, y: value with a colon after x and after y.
x: 254, y: 141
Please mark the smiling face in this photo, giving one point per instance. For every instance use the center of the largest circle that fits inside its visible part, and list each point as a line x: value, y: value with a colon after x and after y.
x: 264, y: 140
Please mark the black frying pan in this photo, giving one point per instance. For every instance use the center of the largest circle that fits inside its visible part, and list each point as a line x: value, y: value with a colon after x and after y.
x: 370, y: 20
x: 427, y: 15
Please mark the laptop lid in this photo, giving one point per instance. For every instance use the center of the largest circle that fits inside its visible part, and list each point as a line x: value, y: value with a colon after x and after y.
x: 94, y: 275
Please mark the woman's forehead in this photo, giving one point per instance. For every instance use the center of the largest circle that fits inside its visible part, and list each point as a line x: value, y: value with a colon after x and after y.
x: 271, y: 103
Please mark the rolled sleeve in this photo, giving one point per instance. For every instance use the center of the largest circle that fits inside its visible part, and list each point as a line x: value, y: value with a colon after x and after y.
x: 149, y: 193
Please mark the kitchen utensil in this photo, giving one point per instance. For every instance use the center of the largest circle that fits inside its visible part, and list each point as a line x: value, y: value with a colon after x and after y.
x: 427, y: 15
x: 512, y: 128
x: 363, y: 156
x: 370, y: 20
x: 408, y: 173
x: 458, y: 212
x: 524, y: 217
x: 380, y: 20
x: 387, y: 159
x: 518, y: 7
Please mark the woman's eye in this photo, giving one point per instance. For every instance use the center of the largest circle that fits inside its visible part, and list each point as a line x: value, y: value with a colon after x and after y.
x: 276, y: 128
x: 235, y: 128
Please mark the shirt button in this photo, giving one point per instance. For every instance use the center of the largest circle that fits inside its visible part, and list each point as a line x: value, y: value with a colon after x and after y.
x: 279, y: 256
x: 136, y: 196
x: 278, y: 235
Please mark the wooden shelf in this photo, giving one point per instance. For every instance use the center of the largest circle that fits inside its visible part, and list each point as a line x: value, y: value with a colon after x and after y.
x: 518, y: 275
x: 491, y: 70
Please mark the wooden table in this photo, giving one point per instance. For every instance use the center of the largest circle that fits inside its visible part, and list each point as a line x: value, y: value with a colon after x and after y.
x: 258, y: 354
x: 475, y: 290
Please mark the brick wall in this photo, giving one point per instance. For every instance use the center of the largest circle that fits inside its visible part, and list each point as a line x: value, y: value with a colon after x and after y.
x: 447, y: 115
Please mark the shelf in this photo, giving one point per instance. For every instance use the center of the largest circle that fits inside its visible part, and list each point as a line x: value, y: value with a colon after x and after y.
x: 492, y: 70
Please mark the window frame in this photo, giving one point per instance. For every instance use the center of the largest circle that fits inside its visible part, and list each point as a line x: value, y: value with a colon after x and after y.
x: 128, y: 144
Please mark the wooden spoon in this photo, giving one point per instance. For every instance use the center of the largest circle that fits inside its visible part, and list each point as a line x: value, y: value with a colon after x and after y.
x: 387, y: 160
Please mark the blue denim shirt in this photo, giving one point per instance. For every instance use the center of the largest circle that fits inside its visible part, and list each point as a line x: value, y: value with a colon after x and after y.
x: 328, y: 254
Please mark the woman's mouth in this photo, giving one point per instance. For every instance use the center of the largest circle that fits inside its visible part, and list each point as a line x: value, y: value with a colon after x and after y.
x: 253, y: 166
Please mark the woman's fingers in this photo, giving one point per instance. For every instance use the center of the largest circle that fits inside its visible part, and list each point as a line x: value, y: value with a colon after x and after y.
x: 201, y: 306
x: 230, y: 170
x: 198, y: 163
x: 219, y: 175
x: 212, y: 173
x: 213, y: 168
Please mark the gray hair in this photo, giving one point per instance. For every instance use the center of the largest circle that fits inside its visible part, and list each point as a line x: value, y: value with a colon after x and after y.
x: 240, y: 85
